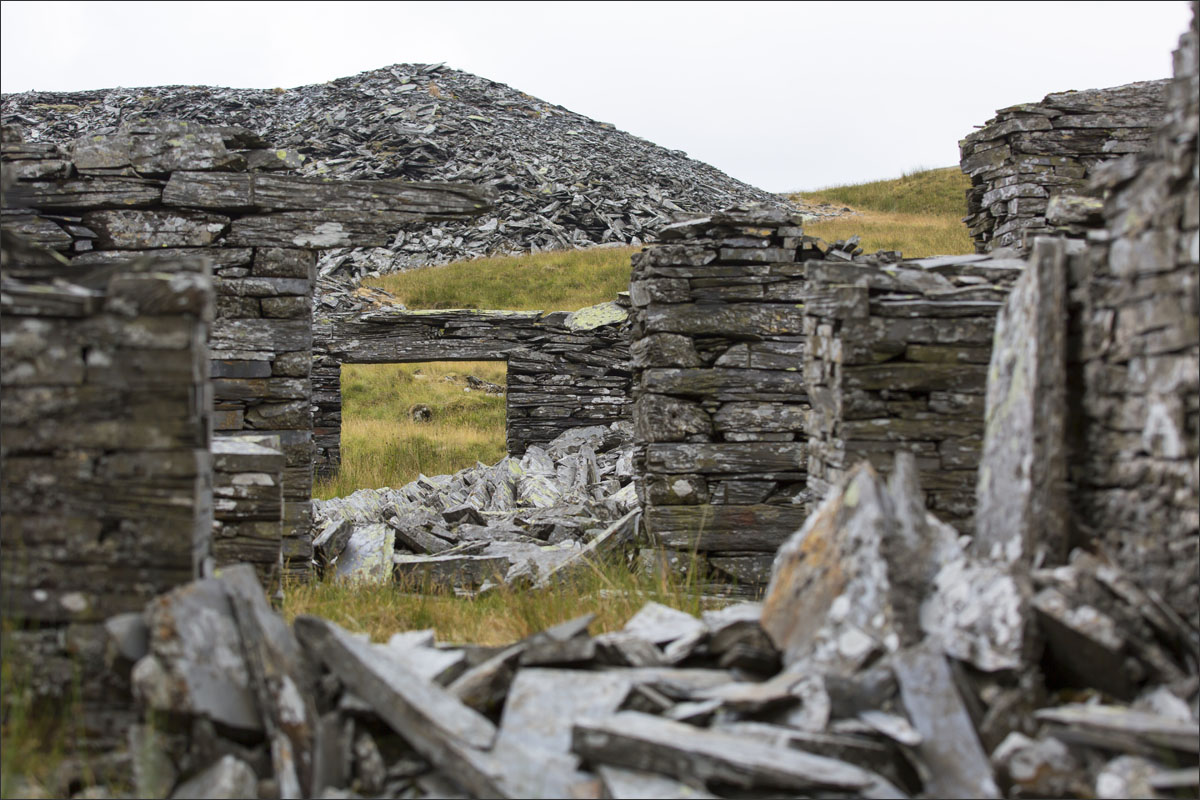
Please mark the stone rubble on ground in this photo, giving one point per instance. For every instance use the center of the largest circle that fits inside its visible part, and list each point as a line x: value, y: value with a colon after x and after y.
x: 859, y: 675
x: 521, y: 520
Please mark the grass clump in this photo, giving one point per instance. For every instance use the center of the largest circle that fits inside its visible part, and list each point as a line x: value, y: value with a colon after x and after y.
x: 382, y: 445
x: 565, y: 280
x: 606, y: 587
x: 919, y: 214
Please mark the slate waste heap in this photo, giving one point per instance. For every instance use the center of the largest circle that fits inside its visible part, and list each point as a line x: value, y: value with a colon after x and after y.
x: 561, y: 179
x: 886, y: 660
x: 527, y: 520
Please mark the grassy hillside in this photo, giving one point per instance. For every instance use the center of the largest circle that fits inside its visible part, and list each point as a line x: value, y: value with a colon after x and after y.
x: 553, y: 281
x: 382, y: 445
x: 919, y: 214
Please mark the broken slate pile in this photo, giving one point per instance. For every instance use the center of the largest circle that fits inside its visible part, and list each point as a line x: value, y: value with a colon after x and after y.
x: 1035, y: 158
x: 524, y: 520
x: 897, y: 359
x: 563, y: 180
x: 886, y: 662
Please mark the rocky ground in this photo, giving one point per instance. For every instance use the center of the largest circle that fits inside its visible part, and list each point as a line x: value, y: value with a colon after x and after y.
x: 523, y: 520
x: 563, y: 180
x: 987, y: 681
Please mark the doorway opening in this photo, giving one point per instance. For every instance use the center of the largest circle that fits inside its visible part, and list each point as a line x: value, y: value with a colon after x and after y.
x: 430, y: 417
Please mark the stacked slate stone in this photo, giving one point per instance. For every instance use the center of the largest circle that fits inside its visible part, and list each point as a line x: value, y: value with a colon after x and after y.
x: 719, y: 395
x: 1099, y: 351
x: 897, y: 359
x: 565, y: 369
x: 248, y: 503
x: 1139, y: 358
x: 563, y: 180
x: 172, y: 189
x: 1029, y: 153
x: 104, y: 463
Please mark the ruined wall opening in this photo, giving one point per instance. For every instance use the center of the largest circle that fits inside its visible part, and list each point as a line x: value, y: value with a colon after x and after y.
x: 401, y: 420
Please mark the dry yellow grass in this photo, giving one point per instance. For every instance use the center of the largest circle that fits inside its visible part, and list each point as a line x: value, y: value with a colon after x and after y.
x: 383, y: 446
x: 608, y: 589
x: 915, y: 235
x: 919, y: 214
x: 564, y: 280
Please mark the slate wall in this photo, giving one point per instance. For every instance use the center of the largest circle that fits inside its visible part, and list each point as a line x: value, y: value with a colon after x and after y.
x: 1029, y: 153
x: 719, y: 393
x: 171, y: 189
x: 897, y: 360
x: 564, y: 369
x: 1103, y: 339
x: 105, y: 469
x: 248, y: 477
x: 1134, y: 347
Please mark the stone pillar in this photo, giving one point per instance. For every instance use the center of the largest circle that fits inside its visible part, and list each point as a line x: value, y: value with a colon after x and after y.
x: 104, y: 462
x: 719, y: 394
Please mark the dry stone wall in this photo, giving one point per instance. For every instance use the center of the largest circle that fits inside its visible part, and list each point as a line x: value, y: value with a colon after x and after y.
x: 1117, y: 428
x: 1030, y: 153
x: 719, y: 394
x: 565, y: 369
x: 897, y: 360
x: 171, y: 189
x: 104, y: 460
x: 248, y: 476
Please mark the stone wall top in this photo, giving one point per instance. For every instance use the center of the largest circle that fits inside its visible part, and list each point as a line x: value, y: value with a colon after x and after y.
x: 1029, y: 153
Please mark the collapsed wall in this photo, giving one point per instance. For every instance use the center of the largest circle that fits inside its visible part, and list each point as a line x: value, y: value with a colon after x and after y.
x: 167, y: 190
x: 719, y: 396
x: 897, y: 360
x: 1029, y: 153
x: 564, y: 369
x: 104, y: 461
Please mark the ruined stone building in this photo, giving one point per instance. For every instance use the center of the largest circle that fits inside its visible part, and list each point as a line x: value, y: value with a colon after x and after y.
x: 168, y: 390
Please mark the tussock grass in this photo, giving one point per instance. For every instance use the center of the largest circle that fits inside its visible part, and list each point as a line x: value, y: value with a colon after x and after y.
x: 564, y: 280
x: 383, y: 446
x: 919, y: 214
x: 606, y: 587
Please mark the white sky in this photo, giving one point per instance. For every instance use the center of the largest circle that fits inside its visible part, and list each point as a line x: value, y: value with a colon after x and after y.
x: 781, y: 95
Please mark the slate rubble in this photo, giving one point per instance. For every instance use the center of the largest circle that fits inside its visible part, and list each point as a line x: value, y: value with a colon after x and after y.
x: 854, y: 694
x: 523, y: 520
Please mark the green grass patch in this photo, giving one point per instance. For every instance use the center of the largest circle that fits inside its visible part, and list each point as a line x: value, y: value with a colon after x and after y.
x: 382, y: 445
x: 919, y: 214
x: 936, y: 192
x: 564, y: 280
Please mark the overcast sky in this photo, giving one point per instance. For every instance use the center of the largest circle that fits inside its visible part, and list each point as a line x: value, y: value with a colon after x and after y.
x: 781, y: 95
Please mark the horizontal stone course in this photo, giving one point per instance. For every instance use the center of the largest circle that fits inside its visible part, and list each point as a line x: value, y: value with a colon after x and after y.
x: 1026, y: 156
x: 564, y: 370
x: 898, y: 361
